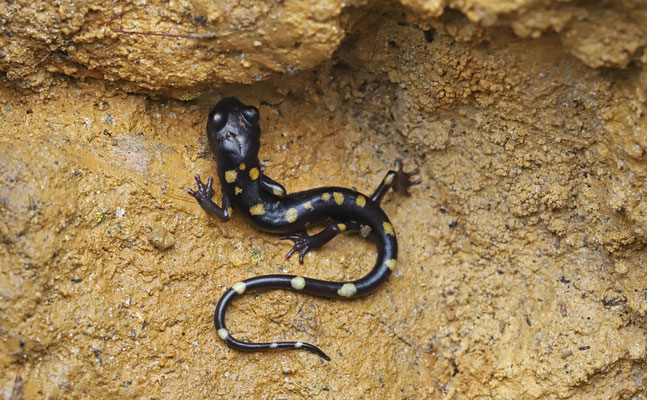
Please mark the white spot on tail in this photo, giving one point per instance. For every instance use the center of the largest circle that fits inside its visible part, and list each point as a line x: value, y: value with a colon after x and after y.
x: 298, y: 282
x: 222, y: 332
x: 347, y: 290
x: 239, y: 287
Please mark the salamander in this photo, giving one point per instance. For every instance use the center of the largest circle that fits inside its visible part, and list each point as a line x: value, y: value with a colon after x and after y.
x: 234, y: 134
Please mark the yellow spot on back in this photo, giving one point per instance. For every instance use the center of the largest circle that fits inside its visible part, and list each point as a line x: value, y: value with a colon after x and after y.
x: 347, y: 290
x: 291, y: 214
x: 388, y: 228
x: 258, y: 209
x: 389, y: 179
x: 361, y: 201
x: 339, y: 198
x: 242, y: 166
x: 342, y: 227
x: 230, y: 176
x: 325, y: 196
x: 309, y: 206
x: 253, y: 173
x: 238, y: 190
x: 298, y: 282
x: 230, y: 211
x: 390, y: 263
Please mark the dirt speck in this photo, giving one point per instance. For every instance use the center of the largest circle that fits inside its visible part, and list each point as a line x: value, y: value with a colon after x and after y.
x: 160, y: 237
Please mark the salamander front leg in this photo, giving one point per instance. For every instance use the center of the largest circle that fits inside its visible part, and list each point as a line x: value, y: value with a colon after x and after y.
x: 204, y: 194
x: 303, y: 242
x: 400, y: 181
x: 271, y: 186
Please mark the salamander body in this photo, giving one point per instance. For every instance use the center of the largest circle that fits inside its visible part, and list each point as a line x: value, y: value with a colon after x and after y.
x: 234, y: 137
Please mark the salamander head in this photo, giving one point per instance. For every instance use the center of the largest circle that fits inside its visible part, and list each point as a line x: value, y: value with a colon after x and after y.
x: 233, y: 131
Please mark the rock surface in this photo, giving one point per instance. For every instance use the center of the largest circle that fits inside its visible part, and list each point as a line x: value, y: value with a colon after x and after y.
x: 521, y: 274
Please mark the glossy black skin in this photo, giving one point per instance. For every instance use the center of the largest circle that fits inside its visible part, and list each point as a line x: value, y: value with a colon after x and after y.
x: 234, y: 137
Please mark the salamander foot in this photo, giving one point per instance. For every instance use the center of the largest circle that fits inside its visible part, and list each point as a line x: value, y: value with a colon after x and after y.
x: 403, y: 180
x: 205, y: 192
x: 301, y: 244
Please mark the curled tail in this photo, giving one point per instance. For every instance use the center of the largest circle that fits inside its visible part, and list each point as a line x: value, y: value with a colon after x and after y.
x: 385, y: 264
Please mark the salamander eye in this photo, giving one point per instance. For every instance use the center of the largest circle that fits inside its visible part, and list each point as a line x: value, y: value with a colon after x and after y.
x: 251, y: 114
x: 219, y: 119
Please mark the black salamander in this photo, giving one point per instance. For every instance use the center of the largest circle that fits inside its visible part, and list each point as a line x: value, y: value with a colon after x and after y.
x: 234, y: 137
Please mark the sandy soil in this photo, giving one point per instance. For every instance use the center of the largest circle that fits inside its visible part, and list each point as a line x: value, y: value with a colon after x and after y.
x: 522, y: 254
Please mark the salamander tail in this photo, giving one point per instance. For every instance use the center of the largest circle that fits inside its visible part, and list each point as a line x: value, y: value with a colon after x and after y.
x: 277, y: 282
x: 386, y: 261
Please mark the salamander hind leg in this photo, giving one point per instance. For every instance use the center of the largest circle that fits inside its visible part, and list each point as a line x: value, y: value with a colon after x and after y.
x: 403, y: 180
x: 303, y: 242
x: 399, y: 180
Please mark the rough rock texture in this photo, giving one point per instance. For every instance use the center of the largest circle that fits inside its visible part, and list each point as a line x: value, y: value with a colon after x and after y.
x: 208, y: 44
x: 239, y: 42
x: 521, y: 274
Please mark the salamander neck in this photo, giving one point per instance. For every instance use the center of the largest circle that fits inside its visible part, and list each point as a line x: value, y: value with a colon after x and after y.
x: 238, y: 164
